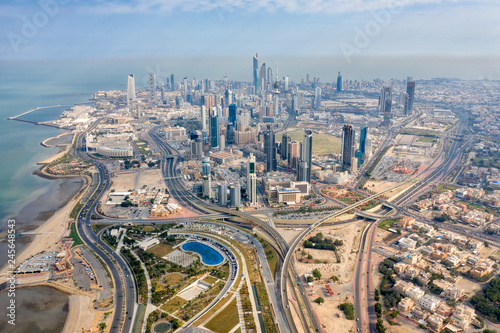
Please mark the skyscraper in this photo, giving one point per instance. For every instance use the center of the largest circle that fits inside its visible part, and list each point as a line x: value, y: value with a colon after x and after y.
x: 130, y: 89
x: 386, y: 104
x: 251, y: 180
x: 203, y: 118
x: 410, y: 90
x: 363, y: 134
x: 269, y: 76
x: 317, y: 98
x: 284, y: 146
x: 232, y: 114
x: 256, y: 74
x: 205, y: 172
x: 222, y: 189
x: 152, y: 86
x: 235, y: 195
x: 172, y: 84
x: 286, y: 83
x: 270, y: 149
x: 339, y: 83
x: 305, y: 161
x: 262, y: 76
x: 293, y: 152
x: 185, y: 81
x: 214, y: 128
x: 348, y: 136
x: 276, y: 92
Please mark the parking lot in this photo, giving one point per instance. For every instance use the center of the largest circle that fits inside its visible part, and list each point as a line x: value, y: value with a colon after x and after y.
x: 42, y: 262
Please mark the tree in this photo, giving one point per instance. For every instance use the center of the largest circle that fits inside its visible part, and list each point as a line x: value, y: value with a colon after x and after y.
x: 486, y: 244
x: 394, y: 314
x: 310, y: 279
x: 319, y: 300
x: 334, y: 278
x: 316, y: 273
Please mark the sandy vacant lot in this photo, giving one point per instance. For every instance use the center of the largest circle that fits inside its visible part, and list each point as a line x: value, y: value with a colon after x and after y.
x: 350, y: 234
x: 137, y: 178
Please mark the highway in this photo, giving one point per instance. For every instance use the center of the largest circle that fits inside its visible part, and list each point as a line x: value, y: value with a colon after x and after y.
x: 125, y: 292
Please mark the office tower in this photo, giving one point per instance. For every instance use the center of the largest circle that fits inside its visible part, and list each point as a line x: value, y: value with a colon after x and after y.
x: 284, y: 146
x: 138, y: 112
x: 293, y: 151
x: 203, y: 110
x: 232, y: 114
x: 256, y: 74
x: 130, y: 89
x: 197, y: 148
x: 172, y: 84
x: 214, y: 128
x: 361, y: 154
x: 262, y: 76
x: 410, y: 90
x: 251, y: 180
x: 235, y: 195
x: 339, y: 83
x: 286, y: 83
x: 270, y: 149
x: 228, y: 97
x: 185, y: 88
x: 152, y: 86
x: 205, y: 172
x: 317, y: 98
x: 386, y: 104
x: 269, y: 76
x: 222, y: 142
x: 348, y: 137
x: 222, y: 193
x: 305, y: 160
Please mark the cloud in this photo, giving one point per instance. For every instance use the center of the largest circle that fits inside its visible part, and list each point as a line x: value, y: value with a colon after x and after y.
x: 289, y: 6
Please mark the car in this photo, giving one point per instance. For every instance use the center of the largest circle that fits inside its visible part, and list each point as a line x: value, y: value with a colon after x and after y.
x: 357, y: 319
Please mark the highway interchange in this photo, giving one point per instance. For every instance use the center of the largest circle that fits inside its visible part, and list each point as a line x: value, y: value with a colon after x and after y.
x: 125, y: 292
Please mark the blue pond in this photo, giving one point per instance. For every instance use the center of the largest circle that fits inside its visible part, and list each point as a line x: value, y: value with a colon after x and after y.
x: 208, y: 255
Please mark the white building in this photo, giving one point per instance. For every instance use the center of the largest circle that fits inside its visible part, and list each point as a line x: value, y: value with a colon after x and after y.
x: 148, y: 243
x: 428, y: 302
x: 415, y: 293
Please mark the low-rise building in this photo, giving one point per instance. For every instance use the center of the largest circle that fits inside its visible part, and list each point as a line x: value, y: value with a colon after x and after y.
x: 428, y: 302
x: 462, y: 316
x: 415, y: 293
x: 405, y: 305
x: 148, y: 243
x: 435, y: 321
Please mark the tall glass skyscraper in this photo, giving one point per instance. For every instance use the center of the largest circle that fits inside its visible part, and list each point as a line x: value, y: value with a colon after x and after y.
x: 361, y: 155
x: 410, y: 90
x: 270, y: 149
x: 232, y: 114
x: 130, y: 89
x: 214, y: 129
x: 305, y: 159
x: 256, y: 73
x: 251, y: 180
x: 339, y: 83
x: 348, y: 137
x: 386, y: 104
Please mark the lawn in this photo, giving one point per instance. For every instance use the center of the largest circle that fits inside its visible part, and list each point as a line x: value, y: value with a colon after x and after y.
x: 323, y: 144
x: 160, y: 250
x: 148, y: 228
x: 225, y: 320
x: 174, y: 304
x: 444, y: 188
x: 387, y: 224
x: 75, y: 236
x: 142, y: 146
x: 173, y: 279
x: 425, y: 139
x: 210, y: 279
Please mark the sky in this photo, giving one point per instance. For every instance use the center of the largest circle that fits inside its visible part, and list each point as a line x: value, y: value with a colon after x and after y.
x: 344, y: 29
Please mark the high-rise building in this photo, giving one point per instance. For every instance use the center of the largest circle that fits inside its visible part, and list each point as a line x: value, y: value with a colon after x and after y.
x: 130, y: 89
x: 286, y: 83
x: 348, y: 137
x: 269, y: 76
x: 317, y: 98
x: 410, y: 90
x: 207, y: 180
x: 293, y: 153
x: 172, y: 83
x: 214, y: 128
x: 262, y: 76
x: 203, y: 110
x: 270, y: 149
x: 339, y: 83
x: 256, y: 73
x: 284, y: 146
x: 251, y: 180
x: 363, y: 135
x: 232, y: 114
x: 386, y: 105
x: 228, y: 95
x: 185, y: 82
x: 305, y: 160
x: 276, y: 93
x: 222, y: 194
x: 152, y: 86
x: 235, y: 195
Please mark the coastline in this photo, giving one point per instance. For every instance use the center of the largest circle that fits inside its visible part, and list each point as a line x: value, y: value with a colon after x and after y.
x: 52, y: 230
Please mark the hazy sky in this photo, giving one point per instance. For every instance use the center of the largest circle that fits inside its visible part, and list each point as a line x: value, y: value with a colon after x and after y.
x: 346, y: 29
